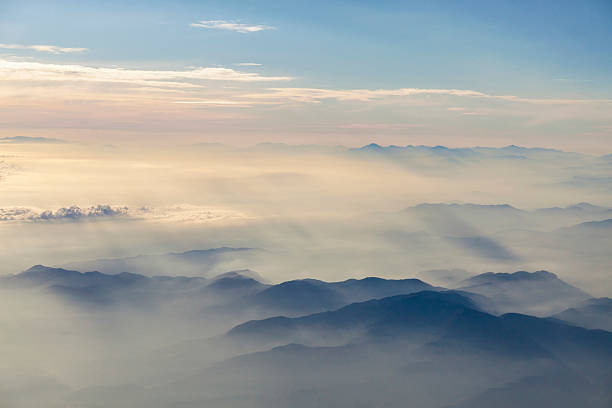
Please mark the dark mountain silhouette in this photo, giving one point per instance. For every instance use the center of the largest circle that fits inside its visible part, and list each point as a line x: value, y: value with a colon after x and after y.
x: 449, y: 316
x: 232, y: 294
x: 357, y: 290
x: 306, y: 296
x: 433, y: 347
x: 430, y: 348
x: 298, y: 297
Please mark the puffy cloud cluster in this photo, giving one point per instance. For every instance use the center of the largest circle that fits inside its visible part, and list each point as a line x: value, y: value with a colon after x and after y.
x: 73, y: 213
x: 176, y: 213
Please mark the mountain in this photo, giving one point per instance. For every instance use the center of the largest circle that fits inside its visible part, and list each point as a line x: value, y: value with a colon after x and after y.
x: 402, y: 348
x: 236, y: 279
x: 434, y: 348
x: 233, y: 285
x: 500, y: 222
x: 232, y: 295
x: 444, y: 277
x: 419, y: 314
x: 453, y: 319
x: 28, y: 139
x: 564, y: 390
x: 469, y: 219
x: 298, y: 297
x: 469, y: 208
x: 423, y: 156
x: 44, y: 276
x: 306, y: 296
x: 595, y: 313
x: 540, y: 293
x: 428, y: 155
x: 579, y: 209
x: 96, y: 288
x: 603, y: 226
x: 200, y: 262
x: 357, y: 290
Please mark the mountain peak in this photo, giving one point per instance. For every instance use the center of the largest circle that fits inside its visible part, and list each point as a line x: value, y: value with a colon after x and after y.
x: 42, y: 269
x: 489, y: 277
x: 541, y: 293
x: 372, y: 146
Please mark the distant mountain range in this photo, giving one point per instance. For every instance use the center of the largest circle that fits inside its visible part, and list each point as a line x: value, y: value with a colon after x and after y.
x: 510, y: 152
x: 192, y: 263
x: 358, y: 342
x: 243, y: 293
x: 407, y: 347
x: 504, y: 217
x: 28, y: 139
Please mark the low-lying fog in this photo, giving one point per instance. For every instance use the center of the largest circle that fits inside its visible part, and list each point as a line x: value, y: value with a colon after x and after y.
x: 327, y: 212
x: 128, y: 337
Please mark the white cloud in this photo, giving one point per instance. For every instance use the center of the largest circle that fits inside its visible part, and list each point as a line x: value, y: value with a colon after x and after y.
x: 231, y: 26
x: 73, y: 213
x: 186, y: 213
x: 363, y: 95
x: 16, y: 70
x: 248, y: 64
x: 315, y: 95
x: 52, y: 49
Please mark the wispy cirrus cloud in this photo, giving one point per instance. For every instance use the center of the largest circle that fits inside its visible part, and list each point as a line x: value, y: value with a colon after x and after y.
x: 247, y: 64
x: 315, y: 95
x: 231, y: 26
x: 217, y: 102
x: 51, y: 49
x: 363, y: 95
x: 28, y: 71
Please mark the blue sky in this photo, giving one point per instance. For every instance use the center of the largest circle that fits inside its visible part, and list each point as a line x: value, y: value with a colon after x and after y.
x: 528, y: 49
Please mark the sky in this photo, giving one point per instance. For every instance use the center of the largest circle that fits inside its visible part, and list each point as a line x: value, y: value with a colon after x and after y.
x: 533, y: 73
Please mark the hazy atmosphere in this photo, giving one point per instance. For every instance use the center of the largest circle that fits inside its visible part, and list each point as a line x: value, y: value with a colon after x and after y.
x: 280, y: 204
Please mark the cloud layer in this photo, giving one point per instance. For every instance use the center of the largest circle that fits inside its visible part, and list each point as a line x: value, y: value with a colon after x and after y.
x: 27, y: 71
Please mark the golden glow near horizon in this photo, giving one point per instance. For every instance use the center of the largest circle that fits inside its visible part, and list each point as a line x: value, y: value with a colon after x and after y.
x: 216, y: 103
